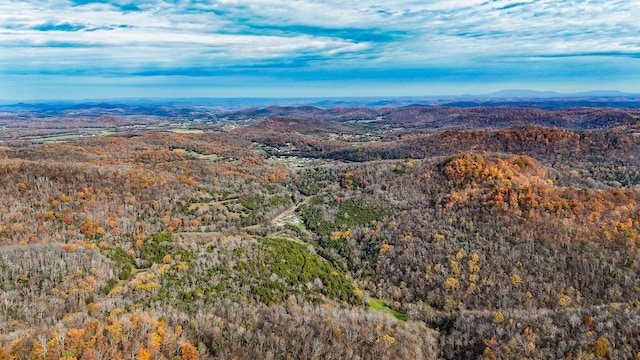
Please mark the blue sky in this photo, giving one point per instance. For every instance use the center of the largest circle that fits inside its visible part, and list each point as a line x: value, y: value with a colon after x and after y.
x: 75, y: 49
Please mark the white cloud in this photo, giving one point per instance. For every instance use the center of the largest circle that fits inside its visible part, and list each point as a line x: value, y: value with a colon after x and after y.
x: 313, y: 34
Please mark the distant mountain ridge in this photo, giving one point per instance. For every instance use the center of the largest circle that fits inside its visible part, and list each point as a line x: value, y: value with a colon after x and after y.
x: 524, y: 93
x: 231, y: 104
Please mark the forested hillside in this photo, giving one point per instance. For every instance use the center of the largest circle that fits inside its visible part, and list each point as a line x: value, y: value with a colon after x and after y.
x: 301, y: 233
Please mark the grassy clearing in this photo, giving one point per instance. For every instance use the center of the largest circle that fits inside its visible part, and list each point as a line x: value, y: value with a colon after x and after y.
x: 187, y: 131
x: 53, y: 138
x: 197, y: 155
x: 380, y: 305
x: 293, y: 161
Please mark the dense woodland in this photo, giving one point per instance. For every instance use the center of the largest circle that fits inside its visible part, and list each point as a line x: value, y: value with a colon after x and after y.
x: 301, y: 233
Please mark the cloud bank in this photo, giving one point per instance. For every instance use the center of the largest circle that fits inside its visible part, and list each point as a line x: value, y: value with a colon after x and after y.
x: 406, y: 46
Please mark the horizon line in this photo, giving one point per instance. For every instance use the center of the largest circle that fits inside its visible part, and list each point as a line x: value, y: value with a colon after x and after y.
x: 496, y: 95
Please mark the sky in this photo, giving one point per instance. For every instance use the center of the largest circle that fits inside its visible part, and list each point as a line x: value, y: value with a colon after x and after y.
x: 87, y: 49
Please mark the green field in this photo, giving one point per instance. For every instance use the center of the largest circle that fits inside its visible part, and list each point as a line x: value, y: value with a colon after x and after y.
x: 380, y: 305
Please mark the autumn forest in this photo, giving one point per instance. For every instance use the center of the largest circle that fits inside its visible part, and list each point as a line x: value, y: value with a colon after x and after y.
x: 415, y: 232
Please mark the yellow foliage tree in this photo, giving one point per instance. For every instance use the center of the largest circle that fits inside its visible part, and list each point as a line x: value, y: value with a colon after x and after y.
x: 451, y: 283
x: 385, y: 248
x: 144, y: 354
x: 188, y: 351
x: 602, y: 347
x: 498, y: 317
x: 516, y: 279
